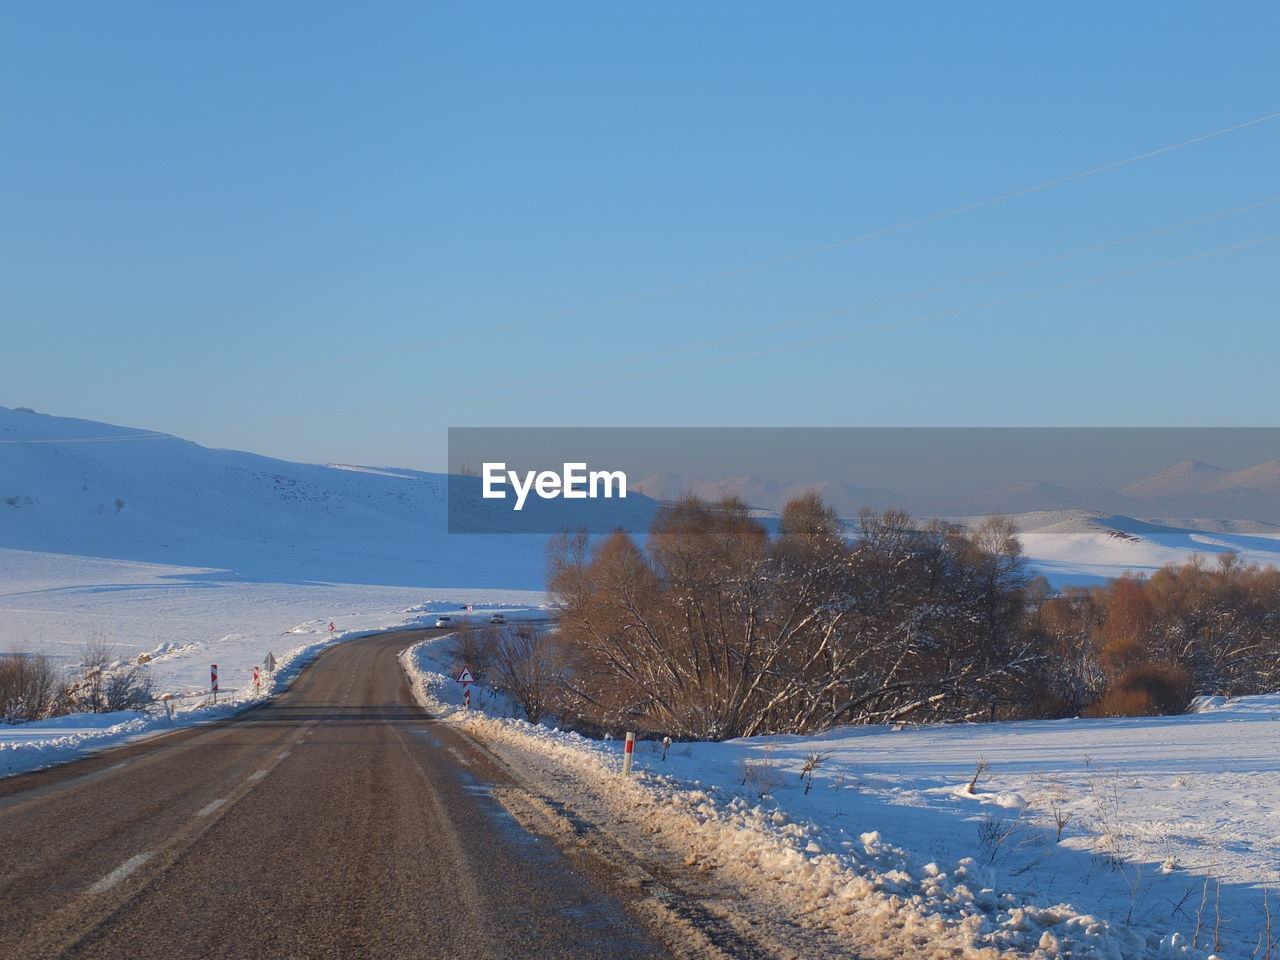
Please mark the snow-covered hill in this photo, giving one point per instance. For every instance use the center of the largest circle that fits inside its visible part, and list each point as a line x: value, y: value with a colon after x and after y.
x: 1075, y: 546
x: 130, y: 494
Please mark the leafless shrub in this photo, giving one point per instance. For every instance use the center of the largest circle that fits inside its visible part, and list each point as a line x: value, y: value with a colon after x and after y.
x: 129, y: 688
x: 28, y: 687
x: 995, y: 831
x: 714, y: 630
x: 981, y: 768
x: 474, y: 648
x: 527, y: 667
x: 1204, y: 900
x: 84, y: 691
x: 1059, y: 813
x: 1146, y: 690
x: 1134, y: 877
x: 99, y: 687
x: 812, y: 761
x: 761, y: 777
x: 1052, y: 794
x: 1178, y: 904
x: 1265, y: 950
x: 1217, y: 917
x: 1110, y: 845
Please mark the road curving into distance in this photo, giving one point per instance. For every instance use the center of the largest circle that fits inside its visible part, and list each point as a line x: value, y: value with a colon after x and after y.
x: 335, y: 821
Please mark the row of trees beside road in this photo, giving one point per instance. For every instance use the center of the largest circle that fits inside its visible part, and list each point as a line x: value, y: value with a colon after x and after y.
x: 718, y: 630
x: 714, y: 629
x: 1140, y: 646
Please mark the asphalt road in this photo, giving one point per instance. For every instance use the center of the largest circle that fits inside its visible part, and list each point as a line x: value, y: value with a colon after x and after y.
x: 337, y: 821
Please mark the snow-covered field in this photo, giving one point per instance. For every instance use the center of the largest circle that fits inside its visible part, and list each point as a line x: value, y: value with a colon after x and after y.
x: 1169, y: 843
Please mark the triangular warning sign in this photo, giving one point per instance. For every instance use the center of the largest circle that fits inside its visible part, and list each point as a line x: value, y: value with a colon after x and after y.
x: 466, y: 676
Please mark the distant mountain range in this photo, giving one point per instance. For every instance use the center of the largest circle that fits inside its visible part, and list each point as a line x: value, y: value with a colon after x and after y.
x: 1191, y: 477
x: 1187, y: 489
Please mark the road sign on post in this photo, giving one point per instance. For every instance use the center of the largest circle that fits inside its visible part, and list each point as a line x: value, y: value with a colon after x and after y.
x: 270, y: 662
x: 466, y: 678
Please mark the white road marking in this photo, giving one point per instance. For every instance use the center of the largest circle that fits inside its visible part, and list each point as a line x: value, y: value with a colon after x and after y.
x: 205, y: 811
x: 259, y: 775
x: 283, y: 755
x: 119, y: 873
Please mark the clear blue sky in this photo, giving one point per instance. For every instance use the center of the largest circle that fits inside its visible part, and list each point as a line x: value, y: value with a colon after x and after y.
x: 238, y: 221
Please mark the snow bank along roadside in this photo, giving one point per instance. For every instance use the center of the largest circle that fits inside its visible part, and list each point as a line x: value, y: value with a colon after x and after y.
x: 882, y: 899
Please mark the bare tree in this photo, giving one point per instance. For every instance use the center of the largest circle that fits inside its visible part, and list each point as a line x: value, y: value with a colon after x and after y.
x: 85, y: 690
x: 716, y: 631
x: 474, y: 648
x: 28, y: 687
x: 100, y: 686
x: 129, y: 688
x: 526, y: 667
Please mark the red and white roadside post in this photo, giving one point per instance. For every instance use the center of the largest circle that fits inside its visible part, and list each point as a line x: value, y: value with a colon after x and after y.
x: 628, y: 751
x: 466, y: 678
x: 213, y: 680
x: 257, y: 682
